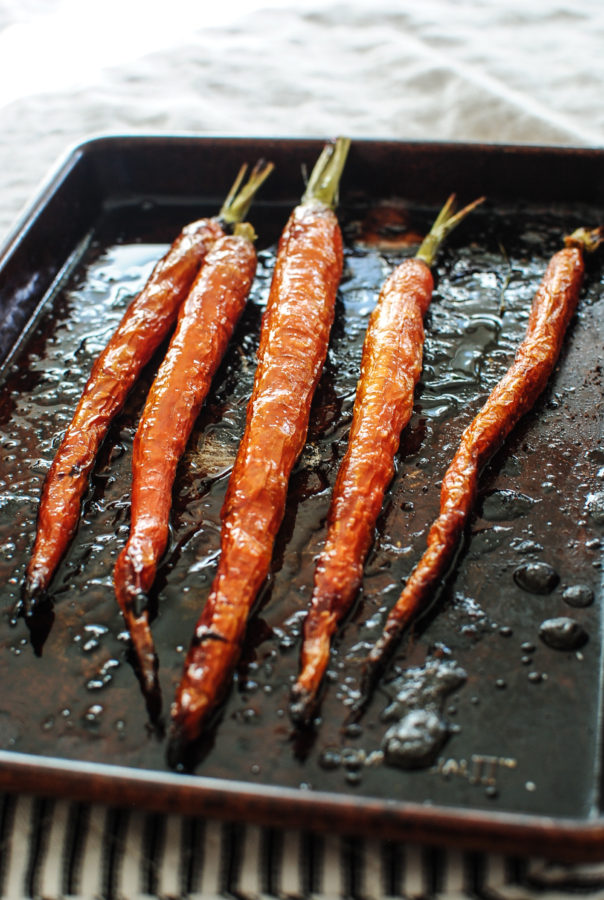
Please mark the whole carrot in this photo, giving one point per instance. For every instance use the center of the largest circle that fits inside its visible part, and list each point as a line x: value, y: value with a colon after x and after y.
x: 293, y: 347
x: 206, y: 322
x: 552, y: 309
x: 390, y: 369
x: 143, y: 327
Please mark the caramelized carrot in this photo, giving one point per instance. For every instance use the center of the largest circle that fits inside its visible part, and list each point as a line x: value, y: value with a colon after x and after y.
x: 143, y: 327
x: 390, y: 368
x: 205, y: 325
x: 552, y: 309
x: 293, y: 346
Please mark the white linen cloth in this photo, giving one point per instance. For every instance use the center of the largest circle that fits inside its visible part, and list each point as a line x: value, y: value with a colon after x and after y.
x: 433, y: 70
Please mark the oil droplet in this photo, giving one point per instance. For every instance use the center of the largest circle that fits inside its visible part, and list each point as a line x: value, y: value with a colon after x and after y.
x: 93, y: 713
x: 536, y: 577
x: 563, y: 633
x: 502, y: 505
x: 353, y: 760
x: 530, y: 786
x: 416, y: 739
x: 578, y: 595
x: 330, y: 759
x: 535, y: 677
x: 595, y: 507
x: 501, y: 684
x: 526, y: 546
x: 353, y: 730
x: 419, y: 728
x: 375, y: 758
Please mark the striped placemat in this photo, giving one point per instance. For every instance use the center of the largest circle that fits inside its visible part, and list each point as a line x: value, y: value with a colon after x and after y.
x: 61, y: 849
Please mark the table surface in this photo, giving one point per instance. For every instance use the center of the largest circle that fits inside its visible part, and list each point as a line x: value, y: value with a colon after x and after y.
x: 471, y: 71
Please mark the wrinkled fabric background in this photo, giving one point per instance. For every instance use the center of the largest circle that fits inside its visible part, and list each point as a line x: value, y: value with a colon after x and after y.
x: 437, y: 69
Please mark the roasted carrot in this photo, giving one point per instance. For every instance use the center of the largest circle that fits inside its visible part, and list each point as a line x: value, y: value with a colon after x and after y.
x: 293, y: 346
x: 143, y: 327
x: 390, y: 368
x: 206, y: 322
x: 552, y: 309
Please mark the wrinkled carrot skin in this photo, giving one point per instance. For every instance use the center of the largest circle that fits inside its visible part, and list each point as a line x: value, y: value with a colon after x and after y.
x: 552, y: 309
x: 143, y: 327
x: 293, y: 347
x: 206, y: 322
x: 390, y: 369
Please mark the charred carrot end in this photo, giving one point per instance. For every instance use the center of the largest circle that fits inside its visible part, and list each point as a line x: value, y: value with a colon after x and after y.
x: 142, y: 642
x: 443, y: 225
x: 377, y: 661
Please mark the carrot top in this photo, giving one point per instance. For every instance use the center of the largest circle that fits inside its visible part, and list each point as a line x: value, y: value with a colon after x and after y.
x: 588, y: 239
x: 239, y: 199
x: 325, y: 177
x: 444, y: 224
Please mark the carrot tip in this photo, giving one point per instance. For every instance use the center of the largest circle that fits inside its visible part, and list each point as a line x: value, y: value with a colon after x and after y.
x: 373, y: 668
x: 178, y: 751
x: 369, y: 679
x: 144, y: 651
x: 302, y: 705
x: 39, y: 621
x: 184, y: 740
x: 33, y: 596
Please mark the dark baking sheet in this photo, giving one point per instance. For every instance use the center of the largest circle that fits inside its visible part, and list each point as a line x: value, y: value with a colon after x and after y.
x: 520, y: 770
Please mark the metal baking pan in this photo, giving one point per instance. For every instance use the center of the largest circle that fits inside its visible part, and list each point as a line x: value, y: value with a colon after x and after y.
x: 520, y: 769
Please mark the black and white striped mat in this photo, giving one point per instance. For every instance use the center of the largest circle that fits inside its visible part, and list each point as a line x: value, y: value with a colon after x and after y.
x: 60, y: 849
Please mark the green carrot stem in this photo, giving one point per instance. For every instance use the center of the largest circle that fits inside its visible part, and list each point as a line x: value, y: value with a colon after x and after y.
x: 239, y: 199
x: 325, y: 177
x: 245, y: 230
x: 443, y: 225
x: 585, y: 238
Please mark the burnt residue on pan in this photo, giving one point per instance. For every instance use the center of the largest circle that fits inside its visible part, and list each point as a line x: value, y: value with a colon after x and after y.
x: 490, y: 673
